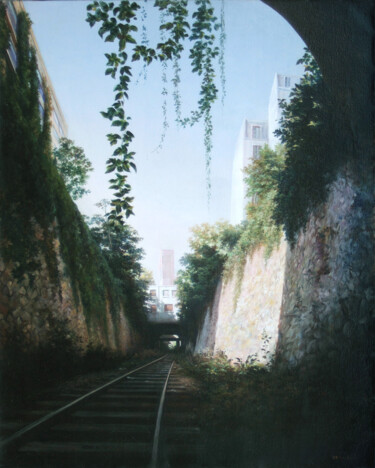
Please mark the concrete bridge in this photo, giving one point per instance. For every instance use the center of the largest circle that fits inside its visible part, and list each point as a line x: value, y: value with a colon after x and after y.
x: 165, y: 327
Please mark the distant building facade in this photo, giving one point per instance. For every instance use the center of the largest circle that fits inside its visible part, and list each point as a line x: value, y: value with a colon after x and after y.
x: 59, y: 127
x: 252, y: 137
x: 167, y: 267
x: 163, y: 301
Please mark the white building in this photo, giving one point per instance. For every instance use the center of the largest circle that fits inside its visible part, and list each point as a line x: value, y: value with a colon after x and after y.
x: 163, y: 302
x: 163, y: 298
x: 281, y: 88
x: 253, y: 136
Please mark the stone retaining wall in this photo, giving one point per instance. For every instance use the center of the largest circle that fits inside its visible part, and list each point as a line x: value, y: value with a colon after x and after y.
x: 329, y: 283
x: 241, y: 319
x: 314, y: 300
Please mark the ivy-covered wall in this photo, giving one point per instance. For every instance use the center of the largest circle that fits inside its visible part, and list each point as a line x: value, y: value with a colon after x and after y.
x: 55, y: 283
x: 35, y: 308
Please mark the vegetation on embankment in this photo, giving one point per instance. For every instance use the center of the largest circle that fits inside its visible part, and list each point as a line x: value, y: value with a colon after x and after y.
x: 222, y: 248
x: 254, y: 415
x: 316, y: 147
x: 39, y: 221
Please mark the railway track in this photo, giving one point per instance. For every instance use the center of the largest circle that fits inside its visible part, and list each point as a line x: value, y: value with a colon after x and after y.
x: 144, y: 418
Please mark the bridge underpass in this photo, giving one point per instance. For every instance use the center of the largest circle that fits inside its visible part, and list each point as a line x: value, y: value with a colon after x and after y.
x: 165, y: 328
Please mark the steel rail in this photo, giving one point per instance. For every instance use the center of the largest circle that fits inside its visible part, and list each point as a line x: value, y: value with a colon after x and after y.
x: 49, y: 417
x: 155, y: 446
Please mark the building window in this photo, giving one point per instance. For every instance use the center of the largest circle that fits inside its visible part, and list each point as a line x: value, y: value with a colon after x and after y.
x: 41, y: 93
x: 153, y: 309
x: 256, y: 132
x: 12, y: 53
x: 57, y: 122
x: 174, y: 292
x: 256, y: 151
x: 41, y: 113
x: 12, y: 14
x: 168, y: 307
x: 287, y: 82
x: 165, y: 293
x: 40, y: 79
x: 153, y: 292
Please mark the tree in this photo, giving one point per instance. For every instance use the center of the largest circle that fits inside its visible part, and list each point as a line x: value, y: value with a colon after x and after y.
x: 74, y: 167
x: 197, y: 281
x: 262, y: 174
x: 147, y: 276
x: 259, y: 228
x: 119, y: 245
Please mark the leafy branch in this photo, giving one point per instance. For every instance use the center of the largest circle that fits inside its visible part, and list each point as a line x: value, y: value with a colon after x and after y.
x: 118, y: 23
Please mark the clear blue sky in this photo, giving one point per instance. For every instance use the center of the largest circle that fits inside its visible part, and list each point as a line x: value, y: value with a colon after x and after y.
x: 170, y: 185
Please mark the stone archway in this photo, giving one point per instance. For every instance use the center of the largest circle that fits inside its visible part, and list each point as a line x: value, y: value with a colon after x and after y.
x: 339, y: 34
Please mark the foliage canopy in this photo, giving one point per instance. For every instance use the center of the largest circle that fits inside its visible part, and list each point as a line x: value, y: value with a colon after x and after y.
x: 119, y: 246
x: 315, y: 149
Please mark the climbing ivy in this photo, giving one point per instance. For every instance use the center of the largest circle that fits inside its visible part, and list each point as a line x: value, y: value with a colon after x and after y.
x: 119, y: 23
x: 25, y: 147
x: 36, y: 209
x: 223, y: 37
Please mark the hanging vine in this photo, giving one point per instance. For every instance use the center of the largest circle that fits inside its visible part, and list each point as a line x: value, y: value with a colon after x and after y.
x: 222, y: 41
x: 144, y: 41
x: 164, y: 91
x: 118, y: 23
